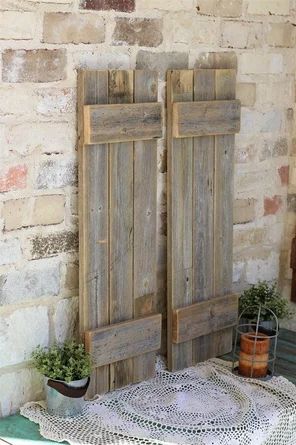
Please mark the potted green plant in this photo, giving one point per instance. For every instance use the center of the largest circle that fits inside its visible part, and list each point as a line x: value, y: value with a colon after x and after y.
x: 268, y: 297
x: 66, y: 369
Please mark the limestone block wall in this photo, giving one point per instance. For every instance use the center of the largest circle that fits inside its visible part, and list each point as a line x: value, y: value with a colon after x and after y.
x: 42, y: 44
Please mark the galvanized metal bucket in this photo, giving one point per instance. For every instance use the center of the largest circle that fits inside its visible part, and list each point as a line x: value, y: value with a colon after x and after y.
x: 65, y: 399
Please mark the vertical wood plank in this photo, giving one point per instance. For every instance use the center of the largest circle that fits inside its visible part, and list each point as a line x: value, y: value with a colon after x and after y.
x: 121, y: 225
x: 93, y: 222
x: 180, y: 156
x: 223, y: 219
x: 203, y: 212
x: 145, y: 184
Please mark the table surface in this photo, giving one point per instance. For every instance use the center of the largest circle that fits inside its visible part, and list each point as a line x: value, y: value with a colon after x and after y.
x: 16, y: 430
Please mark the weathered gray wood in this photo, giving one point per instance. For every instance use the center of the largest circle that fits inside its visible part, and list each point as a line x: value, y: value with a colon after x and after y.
x: 122, y: 122
x: 223, y: 218
x: 206, y: 118
x: 203, y: 213
x: 204, y: 318
x: 211, y: 225
x: 121, y: 173
x: 180, y: 88
x: 93, y: 222
x: 117, y: 221
x: 125, y: 340
x: 145, y: 196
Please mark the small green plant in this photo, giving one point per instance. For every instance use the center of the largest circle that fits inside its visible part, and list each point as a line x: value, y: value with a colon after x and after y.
x: 67, y: 362
x: 267, y: 296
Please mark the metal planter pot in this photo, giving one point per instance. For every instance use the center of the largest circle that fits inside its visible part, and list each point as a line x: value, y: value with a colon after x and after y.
x: 65, y: 399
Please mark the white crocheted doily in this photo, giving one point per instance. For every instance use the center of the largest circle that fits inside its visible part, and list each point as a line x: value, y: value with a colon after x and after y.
x: 202, y: 405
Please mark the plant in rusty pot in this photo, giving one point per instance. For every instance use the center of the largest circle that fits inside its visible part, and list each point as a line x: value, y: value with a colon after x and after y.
x: 66, y: 369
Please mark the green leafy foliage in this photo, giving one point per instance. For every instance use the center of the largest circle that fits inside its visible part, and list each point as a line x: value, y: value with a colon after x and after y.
x: 67, y: 362
x: 267, y: 296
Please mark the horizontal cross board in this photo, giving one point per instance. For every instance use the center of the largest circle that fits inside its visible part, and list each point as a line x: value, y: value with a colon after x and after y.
x: 204, y: 318
x: 191, y: 119
x: 122, y: 122
x: 124, y: 340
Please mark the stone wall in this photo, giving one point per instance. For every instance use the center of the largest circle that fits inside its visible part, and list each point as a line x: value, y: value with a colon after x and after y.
x: 42, y: 43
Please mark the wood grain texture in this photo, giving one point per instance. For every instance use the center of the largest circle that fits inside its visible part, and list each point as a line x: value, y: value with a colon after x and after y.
x: 223, y: 216
x: 209, y: 176
x: 93, y: 222
x: 204, y: 318
x: 122, y: 122
x: 203, y: 211
x: 206, y: 118
x: 125, y: 340
x: 180, y: 153
x: 121, y: 171
x: 145, y: 203
x: 117, y: 222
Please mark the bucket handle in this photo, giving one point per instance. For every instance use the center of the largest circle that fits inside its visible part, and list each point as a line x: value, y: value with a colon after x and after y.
x: 68, y: 391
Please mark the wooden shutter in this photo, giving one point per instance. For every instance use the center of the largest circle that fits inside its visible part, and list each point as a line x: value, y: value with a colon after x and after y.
x: 293, y: 267
x: 117, y: 212
x: 203, y: 116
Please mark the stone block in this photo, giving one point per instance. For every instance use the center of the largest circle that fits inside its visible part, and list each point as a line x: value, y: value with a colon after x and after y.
x: 65, y: 319
x: 161, y: 61
x: 238, y: 271
x: 37, y: 279
x: 72, y: 276
x: 219, y: 60
x: 283, y: 172
x: 42, y: 137
x: 48, y: 209
x: 106, y: 5
x: 53, y: 244
x: 13, y: 178
x: 220, y: 8
x: 281, y: 35
x: 54, y: 100
x: 27, y: 212
x: 274, y: 148
x: 171, y: 5
x: 245, y: 152
x: 291, y: 202
x: 61, y: 27
x: 275, y: 93
x: 117, y: 57
x: 182, y: 28
x: 16, y: 99
x: 35, y: 65
x: 269, y: 7
x: 10, y: 251
x: 17, y: 25
x: 19, y: 387
x: 255, y: 63
x: 272, y: 205
x: 244, y: 211
x: 243, y: 35
x: 56, y: 174
x: 254, y: 122
x: 138, y: 31
x: 21, y: 332
x: 248, y: 237
x: 266, y: 268
x: 246, y: 93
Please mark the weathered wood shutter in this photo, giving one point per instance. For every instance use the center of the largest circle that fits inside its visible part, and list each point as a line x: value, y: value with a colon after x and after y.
x: 203, y: 116
x: 293, y: 267
x: 117, y: 186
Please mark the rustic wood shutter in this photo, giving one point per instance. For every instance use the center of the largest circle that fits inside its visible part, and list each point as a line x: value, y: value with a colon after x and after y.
x: 203, y: 116
x: 119, y: 121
